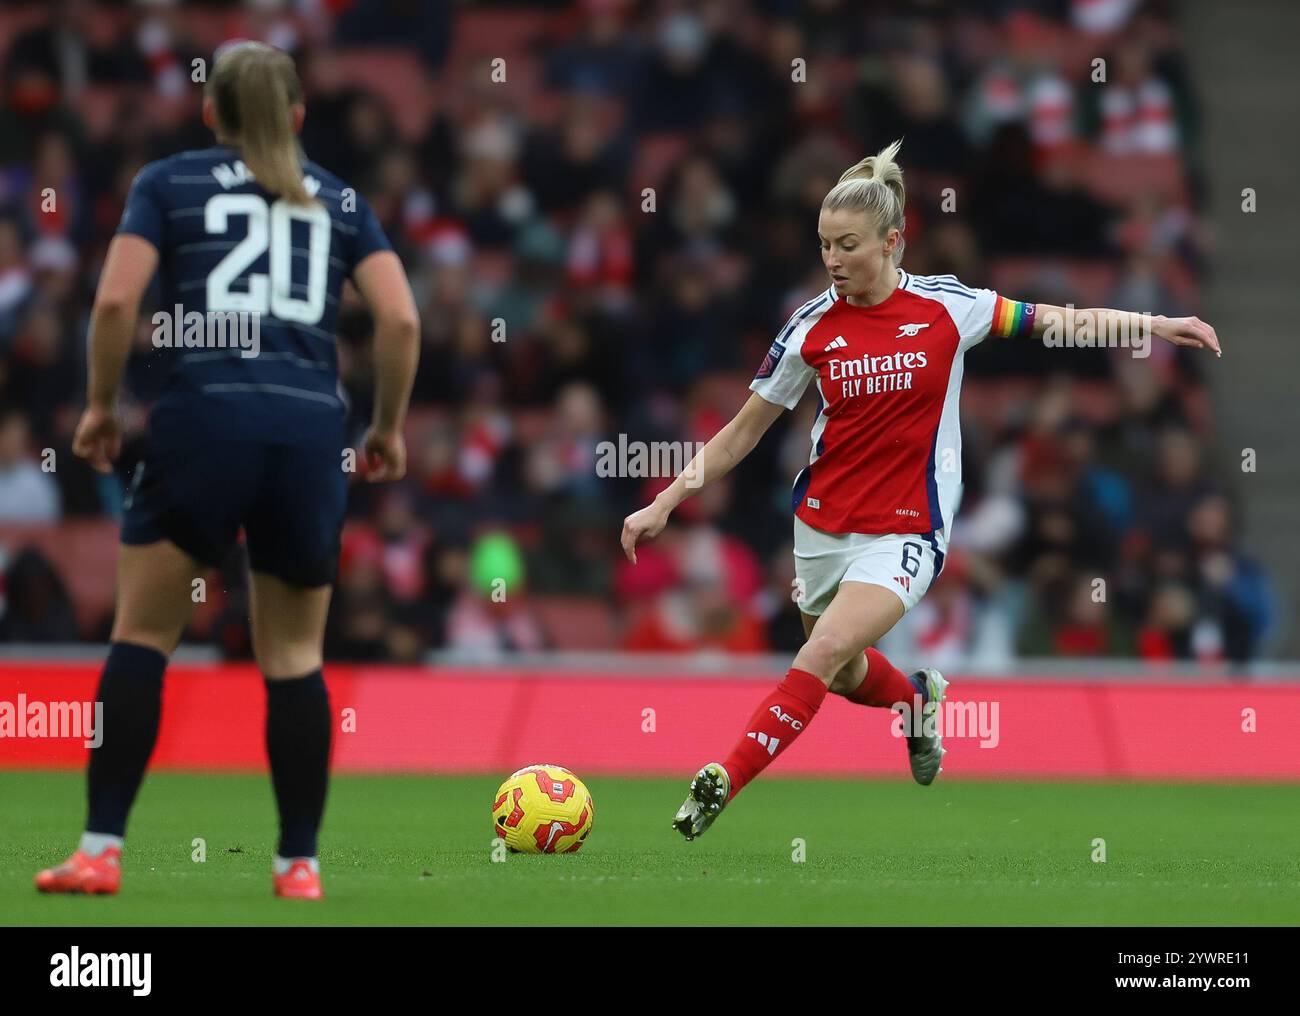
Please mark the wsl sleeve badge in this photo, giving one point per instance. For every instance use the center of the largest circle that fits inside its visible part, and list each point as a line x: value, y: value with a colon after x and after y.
x: 543, y: 809
x: 768, y: 366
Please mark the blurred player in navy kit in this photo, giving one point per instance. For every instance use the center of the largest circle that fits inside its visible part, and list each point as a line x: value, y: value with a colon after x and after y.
x: 249, y: 434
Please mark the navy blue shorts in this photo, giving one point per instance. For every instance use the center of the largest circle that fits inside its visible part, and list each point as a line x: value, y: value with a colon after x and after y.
x: 198, y: 488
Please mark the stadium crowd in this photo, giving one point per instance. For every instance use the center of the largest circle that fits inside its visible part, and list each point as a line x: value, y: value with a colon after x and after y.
x: 604, y: 228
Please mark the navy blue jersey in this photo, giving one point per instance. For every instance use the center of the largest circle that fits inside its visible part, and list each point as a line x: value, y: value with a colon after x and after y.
x: 233, y: 256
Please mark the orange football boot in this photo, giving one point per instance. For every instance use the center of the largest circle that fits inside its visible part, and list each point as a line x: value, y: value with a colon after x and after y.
x: 82, y: 873
x: 299, y: 882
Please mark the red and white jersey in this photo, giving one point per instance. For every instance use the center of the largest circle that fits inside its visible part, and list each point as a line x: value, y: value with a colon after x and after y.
x: 886, y: 445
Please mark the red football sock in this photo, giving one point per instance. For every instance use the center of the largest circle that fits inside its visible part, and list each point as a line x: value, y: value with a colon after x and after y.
x: 776, y: 723
x: 884, y: 686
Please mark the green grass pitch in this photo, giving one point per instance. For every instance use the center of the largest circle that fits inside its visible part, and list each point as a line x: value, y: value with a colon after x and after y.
x: 416, y: 850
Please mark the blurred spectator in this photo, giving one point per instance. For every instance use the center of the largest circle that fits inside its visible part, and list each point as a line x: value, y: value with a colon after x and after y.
x: 1166, y: 504
x: 35, y: 606
x: 493, y: 615
x: 605, y: 243
x: 1235, y: 598
x: 603, y: 57
x: 1136, y: 111
x: 28, y: 493
x: 1024, y: 85
x: 15, y: 280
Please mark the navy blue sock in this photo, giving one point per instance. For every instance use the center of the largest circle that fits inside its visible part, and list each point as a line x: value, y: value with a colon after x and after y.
x: 130, y: 690
x: 298, y: 745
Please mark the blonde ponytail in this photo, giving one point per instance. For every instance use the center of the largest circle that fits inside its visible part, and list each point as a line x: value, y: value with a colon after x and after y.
x: 873, y: 186
x: 254, y: 88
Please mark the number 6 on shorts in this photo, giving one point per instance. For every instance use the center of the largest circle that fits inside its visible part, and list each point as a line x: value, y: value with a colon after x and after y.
x: 911, y: 564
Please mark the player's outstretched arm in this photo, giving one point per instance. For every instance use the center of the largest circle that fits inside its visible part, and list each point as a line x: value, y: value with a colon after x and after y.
x: 1100, y: 321
x: 128, y: 267
x: 381, y: 280
x: 716, y: 459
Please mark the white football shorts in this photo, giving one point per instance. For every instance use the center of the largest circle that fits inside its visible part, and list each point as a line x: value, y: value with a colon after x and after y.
x: 903, y: 562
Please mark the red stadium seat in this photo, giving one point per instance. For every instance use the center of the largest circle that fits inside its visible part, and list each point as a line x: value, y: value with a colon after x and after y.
x: 98, y: 106
x: 655, y: 157
x: 1089, y: 283
x: 1181, y: 281
x: 1118, y: 180
x: 1098, y: 402
x: 423, y: 418
x: 399, y: 78
x: 531, y: 425
x: 498, y: 33
x: 992, y: 402
x: 14, y: 21
x: 84, y: 553
x: 577, y: 622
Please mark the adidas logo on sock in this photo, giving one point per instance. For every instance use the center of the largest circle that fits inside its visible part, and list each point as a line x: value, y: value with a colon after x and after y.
x: 770, y: 743
x: 836, y: 343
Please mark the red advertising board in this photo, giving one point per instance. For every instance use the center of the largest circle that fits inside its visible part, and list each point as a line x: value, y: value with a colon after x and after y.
x: 416, y: 719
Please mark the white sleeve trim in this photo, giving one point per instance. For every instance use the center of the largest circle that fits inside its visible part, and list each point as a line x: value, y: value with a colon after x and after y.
x: 971, y: 310
x: 784, y: 375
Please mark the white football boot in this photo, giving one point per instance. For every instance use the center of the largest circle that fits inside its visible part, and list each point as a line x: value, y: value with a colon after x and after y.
x: 709, y: 793
x: 926, y: 752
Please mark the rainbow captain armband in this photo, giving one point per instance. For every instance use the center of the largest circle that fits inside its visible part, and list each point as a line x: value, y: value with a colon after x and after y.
x: 1012, y: 319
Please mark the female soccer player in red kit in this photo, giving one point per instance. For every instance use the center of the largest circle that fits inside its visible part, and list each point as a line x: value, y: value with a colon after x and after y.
x: 874, y: 507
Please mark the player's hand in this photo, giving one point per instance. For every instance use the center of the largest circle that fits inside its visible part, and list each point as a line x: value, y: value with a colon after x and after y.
x: 645, y: 524
x: 1187, y: 331
x: 98, y: 439
x: 384, y: 452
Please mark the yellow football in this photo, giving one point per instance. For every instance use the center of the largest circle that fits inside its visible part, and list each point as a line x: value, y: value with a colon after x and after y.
x: 543, y: 809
